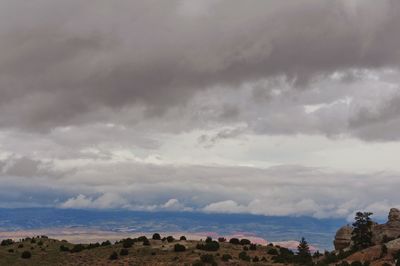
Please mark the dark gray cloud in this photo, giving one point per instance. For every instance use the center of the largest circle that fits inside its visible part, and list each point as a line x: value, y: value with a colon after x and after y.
x: 65, y: 63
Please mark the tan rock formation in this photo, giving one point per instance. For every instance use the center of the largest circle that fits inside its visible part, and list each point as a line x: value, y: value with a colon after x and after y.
x: 391, y: 230
x: 343, y: 237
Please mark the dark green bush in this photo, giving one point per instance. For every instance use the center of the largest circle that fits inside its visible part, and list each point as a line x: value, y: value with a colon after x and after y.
x: 6, y: 242
x: 127, y: 243
x: 142, y: 238
x: 156, y: 236
x: 106, y: 243
x: 256, y: 259
x: 207, y: 258
x: 77, y: 248
x: 93, y: 245
x: 226, y: 257
x: 179, y: 248
x: 124, y: 252
x: 234, y: 241
x: 221, y: 239
x: 26, y: 255
x: 113, y: 256
x: 243, y: 256
x: 208, y: 239
x: 253, y: 247
x: 11, y: 250
x: 272, y: 251
x: 183, y: 238
x: 245, y: 242
x: 208, y: 246
x: 64, y: 248
x: 170, y: 239
x: 146, y: 242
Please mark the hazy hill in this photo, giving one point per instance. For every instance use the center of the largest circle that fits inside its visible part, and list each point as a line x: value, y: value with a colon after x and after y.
x: 319, y: 232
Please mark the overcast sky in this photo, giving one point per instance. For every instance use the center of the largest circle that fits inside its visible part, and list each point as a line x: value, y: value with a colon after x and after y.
x: 266, y: 107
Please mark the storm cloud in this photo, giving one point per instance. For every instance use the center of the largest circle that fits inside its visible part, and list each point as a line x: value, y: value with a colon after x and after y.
x: 62, y: 61
x: 150, y: 105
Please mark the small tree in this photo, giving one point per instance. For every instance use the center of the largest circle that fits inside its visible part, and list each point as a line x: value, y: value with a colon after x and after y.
x: 303, y: 252
x: 362, y: 233
x: 156, y: 236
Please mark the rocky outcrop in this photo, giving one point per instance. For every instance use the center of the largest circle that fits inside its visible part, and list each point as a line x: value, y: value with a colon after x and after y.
x: 343, y: 237
x: 382, y: 233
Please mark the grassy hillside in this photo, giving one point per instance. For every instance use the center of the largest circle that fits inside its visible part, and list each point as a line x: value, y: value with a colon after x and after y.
x: 139, y: 251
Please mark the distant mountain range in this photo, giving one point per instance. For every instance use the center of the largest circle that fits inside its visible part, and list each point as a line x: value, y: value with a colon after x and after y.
x: 319, y: 232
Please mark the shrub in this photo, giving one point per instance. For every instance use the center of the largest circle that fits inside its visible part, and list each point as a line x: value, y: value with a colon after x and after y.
x: 256, y: 259
x: 6, y: 242
x: 253, y: 247
x: 245, y: 248
x: 179, y: 248
x: 208, y: 239
x: 221, y: 239
x: 142, y: 238
x: 40, y: 243
x: 245, y: 242
x: 285, y: 256
x: 208, y: 246
x: 20, y: 245
x: 234, y: 241
x: 95, y: 245
x: 106, y: 243
x: 156, y: 236
x: 77, y: 248
x: 243, y: 256
x: 226, y: 257
x: 11, y: 250
x: 33, y: 241
x: 26, y: 255
x: 183, y: 238
x: 170, y: 239
x: 64, y: 248
x: 127, y: 243
x: 207, y: 258
x: 146, y: 242
x: 123, y: 252
x: 272, y: 251
x: 113, y: 256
